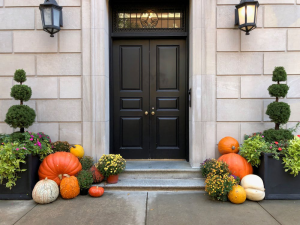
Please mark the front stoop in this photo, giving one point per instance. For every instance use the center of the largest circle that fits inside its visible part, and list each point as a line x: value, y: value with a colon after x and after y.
x: 158, y: 176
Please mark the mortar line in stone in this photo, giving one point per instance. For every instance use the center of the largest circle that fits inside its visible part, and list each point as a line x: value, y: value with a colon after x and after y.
x: 146, y: 212
x: 269, y: 213
x: 25, y: 214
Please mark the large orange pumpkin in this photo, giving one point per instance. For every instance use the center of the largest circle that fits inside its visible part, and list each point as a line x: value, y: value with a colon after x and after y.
x: 238, y: 165
x: 228, y: 145
x: 69, y: 187
x: 54, y: 166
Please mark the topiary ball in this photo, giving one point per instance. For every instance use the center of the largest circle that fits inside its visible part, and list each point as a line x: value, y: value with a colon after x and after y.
x: 279, y: 112
x: 279, y: 74
x: 21, y: 92
x: 20, y: 116
x: 20, y: 76
x: 278, y: 90
x: 272, y: 135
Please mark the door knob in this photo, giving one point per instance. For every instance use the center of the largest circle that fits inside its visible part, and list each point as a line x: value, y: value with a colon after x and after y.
x: 146, y: 113
x: 152, y: 113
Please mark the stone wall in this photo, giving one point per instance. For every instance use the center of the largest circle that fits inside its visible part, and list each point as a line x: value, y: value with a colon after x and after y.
x: 245, y: 64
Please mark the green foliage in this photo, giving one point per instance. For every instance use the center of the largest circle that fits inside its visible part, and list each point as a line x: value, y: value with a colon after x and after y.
x: 279, y: 112
x: 111, y: 164
x: 278, y: 90
x: 272, y: 135
x: 252, y: 149
x: 291, y: 159
x: 17, y: 137
x: 214, y: 167
x: 85, y: 179
x: 20, y: 116
x: 44, y: 137
x: 20, y: 76
x: 86, y: 162
x: 218, y: 186
x: 3, y: 138
x: 61, y: 146
x: 21, y: 92
x: 279, y: 74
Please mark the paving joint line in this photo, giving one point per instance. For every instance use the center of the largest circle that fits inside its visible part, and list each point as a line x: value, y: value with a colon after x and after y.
x: 269, y: 213
x: 25, y: 214
x: 146, y: 213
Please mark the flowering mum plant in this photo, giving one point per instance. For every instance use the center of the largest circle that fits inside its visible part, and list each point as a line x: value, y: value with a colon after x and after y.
x: 111, y: 164
x: 213, y: 166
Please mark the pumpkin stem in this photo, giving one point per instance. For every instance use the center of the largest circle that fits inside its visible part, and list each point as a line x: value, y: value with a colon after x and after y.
x: 66, y: 175
x: 60, y: 176
x: 233, y: 147
x: 46, y: 178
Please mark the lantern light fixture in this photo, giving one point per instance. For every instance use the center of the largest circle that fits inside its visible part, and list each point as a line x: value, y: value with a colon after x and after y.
x: 246, y: 15
x: 51, y: 14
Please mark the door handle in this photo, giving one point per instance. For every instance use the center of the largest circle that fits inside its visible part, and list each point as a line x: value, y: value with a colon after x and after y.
x: 152, y: 113
x: 146, y: 113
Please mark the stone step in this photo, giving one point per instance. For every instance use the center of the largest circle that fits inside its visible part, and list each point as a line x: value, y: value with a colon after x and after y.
x: 196, y: 184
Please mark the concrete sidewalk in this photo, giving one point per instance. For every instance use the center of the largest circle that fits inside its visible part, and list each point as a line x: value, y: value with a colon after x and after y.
x: 150, y: 208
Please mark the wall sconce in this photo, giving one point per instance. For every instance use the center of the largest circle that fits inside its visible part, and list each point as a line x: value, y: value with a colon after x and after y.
x: 246, y: 15
x: 51, y: 14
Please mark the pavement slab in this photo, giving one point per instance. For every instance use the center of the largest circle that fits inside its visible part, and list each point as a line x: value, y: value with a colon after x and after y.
x: 119, y: 208
x: 197, y: 209
x: 286, y: 212
x: 12, y: 211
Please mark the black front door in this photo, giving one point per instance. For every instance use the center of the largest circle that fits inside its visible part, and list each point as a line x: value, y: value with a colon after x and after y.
x: 149, y: 105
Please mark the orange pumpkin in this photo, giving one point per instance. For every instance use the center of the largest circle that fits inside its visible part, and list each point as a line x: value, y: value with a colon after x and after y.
x: 69, y: 187
x: 57, y: 164
x: 96, y: 191
x: 238, y: 165
x: 228, y: 145
x: 97, y: 176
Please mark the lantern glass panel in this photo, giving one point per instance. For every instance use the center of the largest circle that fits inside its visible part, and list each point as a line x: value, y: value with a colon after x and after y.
x: 242, y: 15
x: 250, y: 13
x: 47, y: 16
x: 56, y: 17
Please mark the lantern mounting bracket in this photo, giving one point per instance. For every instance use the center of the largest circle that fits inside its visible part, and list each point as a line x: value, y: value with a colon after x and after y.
x: 236, y: 17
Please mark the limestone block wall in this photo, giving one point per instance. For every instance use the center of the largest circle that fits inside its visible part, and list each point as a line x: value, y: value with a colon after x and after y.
x: 53, y: 66
x: 245, y: 65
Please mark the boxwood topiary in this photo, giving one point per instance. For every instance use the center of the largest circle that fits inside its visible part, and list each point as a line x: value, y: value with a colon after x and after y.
x: 272, y: 135
x: 21, y: 92
x: 278, y: 90
x: 279, y: 112
x: 20, y: 76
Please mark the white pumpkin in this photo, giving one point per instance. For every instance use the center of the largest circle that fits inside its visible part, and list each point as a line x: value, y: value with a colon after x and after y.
x: 254, y: 187
x: 45, y: 191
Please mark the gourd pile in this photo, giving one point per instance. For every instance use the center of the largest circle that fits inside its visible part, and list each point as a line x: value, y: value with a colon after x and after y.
x: 58, y: 173
x: 224, y: 175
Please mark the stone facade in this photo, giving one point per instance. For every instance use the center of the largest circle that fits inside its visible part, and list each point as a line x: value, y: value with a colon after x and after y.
x: 229, y: 71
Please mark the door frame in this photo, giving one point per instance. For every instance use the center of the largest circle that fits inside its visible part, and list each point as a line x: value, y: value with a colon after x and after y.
x: 156, y: 35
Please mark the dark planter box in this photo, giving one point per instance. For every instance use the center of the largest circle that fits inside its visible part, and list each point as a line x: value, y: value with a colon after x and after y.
x: 24, y: 184
x: 278, y: 183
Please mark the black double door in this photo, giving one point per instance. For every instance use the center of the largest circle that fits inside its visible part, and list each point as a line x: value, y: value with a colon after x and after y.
x: 149, y: 102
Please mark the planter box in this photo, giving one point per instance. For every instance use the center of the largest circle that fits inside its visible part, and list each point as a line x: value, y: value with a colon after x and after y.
x: 24, y: 184
x: 278, y: 183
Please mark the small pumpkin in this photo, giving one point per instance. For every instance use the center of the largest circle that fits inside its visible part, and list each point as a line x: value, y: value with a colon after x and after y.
x: 96, y: 191
x: 228, y: 145
x: 77, y: 150
x: 254, y: 187
x: 57, y: 164
x: 237, y: 195
x: 45, y: 191
x: 237, y: 164
x: 69, y: 187
x: 97, y: 176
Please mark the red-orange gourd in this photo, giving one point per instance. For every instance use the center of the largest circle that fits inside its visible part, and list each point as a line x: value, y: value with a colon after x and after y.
x: 238, y: 165
x: 228, y: 145
x: 69, y: 187
x: 97, y: 176
x: 96, y: 191
x: 54, y: 166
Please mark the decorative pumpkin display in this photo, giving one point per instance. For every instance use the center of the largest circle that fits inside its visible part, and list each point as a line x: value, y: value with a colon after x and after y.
x: 57, y: 164
x: 228, y: 145
x: 237, y: 195
x: 45, y: 191
x: 254, y: 187
x: 96, y: 191
x: 69, y: 187
x: 237, y: 164
x: 97, y: 176
x: 77, y: 150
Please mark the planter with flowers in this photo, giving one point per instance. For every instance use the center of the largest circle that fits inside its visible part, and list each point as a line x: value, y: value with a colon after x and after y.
x: 111, y: 166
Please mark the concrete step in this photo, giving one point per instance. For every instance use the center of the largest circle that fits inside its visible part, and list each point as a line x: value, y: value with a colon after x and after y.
x: 196, y: 184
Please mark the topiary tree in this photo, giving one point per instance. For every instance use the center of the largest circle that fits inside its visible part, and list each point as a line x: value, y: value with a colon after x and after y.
x: 279, y: 112
x: 21, y: 116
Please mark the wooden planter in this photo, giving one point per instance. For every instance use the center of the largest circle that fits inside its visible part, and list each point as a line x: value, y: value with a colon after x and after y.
x: 278, y: 183
x: 24, y: 184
